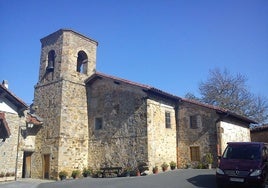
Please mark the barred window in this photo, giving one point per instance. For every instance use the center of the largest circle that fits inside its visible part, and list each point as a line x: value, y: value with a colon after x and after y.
x: 167, y: 119
x: 195, y: 121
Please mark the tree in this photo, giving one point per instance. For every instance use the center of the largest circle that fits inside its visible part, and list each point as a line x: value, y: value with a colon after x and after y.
x: 229, y: 91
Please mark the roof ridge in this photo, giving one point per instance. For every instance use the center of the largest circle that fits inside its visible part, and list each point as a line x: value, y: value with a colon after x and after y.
x: 12, y: 94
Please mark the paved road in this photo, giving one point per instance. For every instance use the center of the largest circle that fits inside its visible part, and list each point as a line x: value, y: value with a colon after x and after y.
x: 181, y: 178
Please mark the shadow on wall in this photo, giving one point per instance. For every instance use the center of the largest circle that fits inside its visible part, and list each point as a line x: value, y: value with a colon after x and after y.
x: 204, y: 181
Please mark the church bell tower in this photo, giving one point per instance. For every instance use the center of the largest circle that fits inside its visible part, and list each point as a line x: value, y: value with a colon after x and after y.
x: 67, y: 59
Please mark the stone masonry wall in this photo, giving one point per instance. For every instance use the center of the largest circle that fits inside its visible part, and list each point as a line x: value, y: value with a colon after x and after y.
x: 231, y: 132
x: 161, y: 140
x: 204, y: 136
x: 73, y: 143
x: 259, y: 136
x: 8, y: 149
x: 122, y: 141
x: 60, y: 99
x: 47, y: 99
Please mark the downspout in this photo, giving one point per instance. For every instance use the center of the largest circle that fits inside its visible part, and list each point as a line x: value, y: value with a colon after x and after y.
x: 177, y: 120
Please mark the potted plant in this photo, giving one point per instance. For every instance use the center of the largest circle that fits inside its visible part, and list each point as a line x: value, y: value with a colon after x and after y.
x: 75, y: 174
x: 127, y: 171
x: 137, y: 171
x: 87, y: 172
x: 155, y: 169
x: 172, y: 165
x: 209, y: 160
x: 63, y: 174
x: 164, y: 166
x: 2, y: 174
x: 142, y: 167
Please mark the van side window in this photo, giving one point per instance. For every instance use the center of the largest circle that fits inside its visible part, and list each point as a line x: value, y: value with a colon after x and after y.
x: 264, y: 153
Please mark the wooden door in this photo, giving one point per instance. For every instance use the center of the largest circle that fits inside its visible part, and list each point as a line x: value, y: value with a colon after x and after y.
x: 46, y: 166
x: 26, y: 171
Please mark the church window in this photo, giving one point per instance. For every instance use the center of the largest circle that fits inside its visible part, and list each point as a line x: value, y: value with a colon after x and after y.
x: 51, y: 60
x: 195, y: 153
x: 167, y: 119
x: 82, y: 61
x: 98, y: 123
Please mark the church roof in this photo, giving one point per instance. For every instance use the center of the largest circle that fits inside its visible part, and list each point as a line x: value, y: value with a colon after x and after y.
x: 146, y: 88
x: 61, y: 31
x: 154, y: 90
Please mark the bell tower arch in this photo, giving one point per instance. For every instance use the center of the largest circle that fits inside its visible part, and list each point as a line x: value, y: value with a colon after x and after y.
x: 67, y: 60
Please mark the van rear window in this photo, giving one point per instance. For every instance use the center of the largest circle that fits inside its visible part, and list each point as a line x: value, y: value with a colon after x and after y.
x: 246, y: 152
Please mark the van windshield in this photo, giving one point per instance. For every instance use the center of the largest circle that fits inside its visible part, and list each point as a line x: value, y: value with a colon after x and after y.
x: 246, y: 152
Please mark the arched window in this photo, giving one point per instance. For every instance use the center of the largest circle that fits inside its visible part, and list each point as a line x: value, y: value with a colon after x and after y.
x: 82, y: 61
x: 51, y: 60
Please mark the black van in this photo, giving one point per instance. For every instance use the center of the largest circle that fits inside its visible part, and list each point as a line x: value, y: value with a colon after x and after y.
x: 243, y: 163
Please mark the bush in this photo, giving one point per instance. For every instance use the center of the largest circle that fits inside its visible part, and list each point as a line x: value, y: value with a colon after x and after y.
x: 2, y: 174
x: 155, y: 169
x: 209, y: 158
x: 75, y: 173
x: 172, y: 165
x: 200, y: 166
x: 142, y: 167
x: 87, y: 172
x: 164, y: 166
x: 63, y: 174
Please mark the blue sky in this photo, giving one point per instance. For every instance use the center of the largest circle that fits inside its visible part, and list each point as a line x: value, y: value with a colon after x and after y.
x: 168, y: 44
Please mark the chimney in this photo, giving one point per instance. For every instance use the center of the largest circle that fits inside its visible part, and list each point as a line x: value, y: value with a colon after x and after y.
x: 5, y: 83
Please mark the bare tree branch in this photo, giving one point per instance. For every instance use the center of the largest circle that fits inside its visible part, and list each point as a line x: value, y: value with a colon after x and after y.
x: 230, y: 92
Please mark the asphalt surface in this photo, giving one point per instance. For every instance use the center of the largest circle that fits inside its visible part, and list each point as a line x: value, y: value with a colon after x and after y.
x: 180, y: 178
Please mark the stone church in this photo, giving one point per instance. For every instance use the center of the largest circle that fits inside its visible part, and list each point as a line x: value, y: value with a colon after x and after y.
x: 98, y: 120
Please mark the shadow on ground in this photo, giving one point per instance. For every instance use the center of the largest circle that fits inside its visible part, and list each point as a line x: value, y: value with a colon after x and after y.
x: 203, y: 181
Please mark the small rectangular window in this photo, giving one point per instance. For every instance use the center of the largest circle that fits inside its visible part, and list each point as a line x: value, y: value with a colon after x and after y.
x: 193, y: 122
x: 167, y: 119
x: 195, y: 153
x: 98, y: 123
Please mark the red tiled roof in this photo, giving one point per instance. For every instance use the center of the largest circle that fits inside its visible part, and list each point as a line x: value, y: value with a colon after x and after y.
x: 165, y: 94
x: 260, y: 128
x: 34, y: 119
x: 142, y: 86
x: 220, y: 110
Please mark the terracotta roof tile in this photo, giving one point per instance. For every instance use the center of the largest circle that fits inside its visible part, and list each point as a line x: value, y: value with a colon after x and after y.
x: 259, y: 128
x: 34, y: 119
